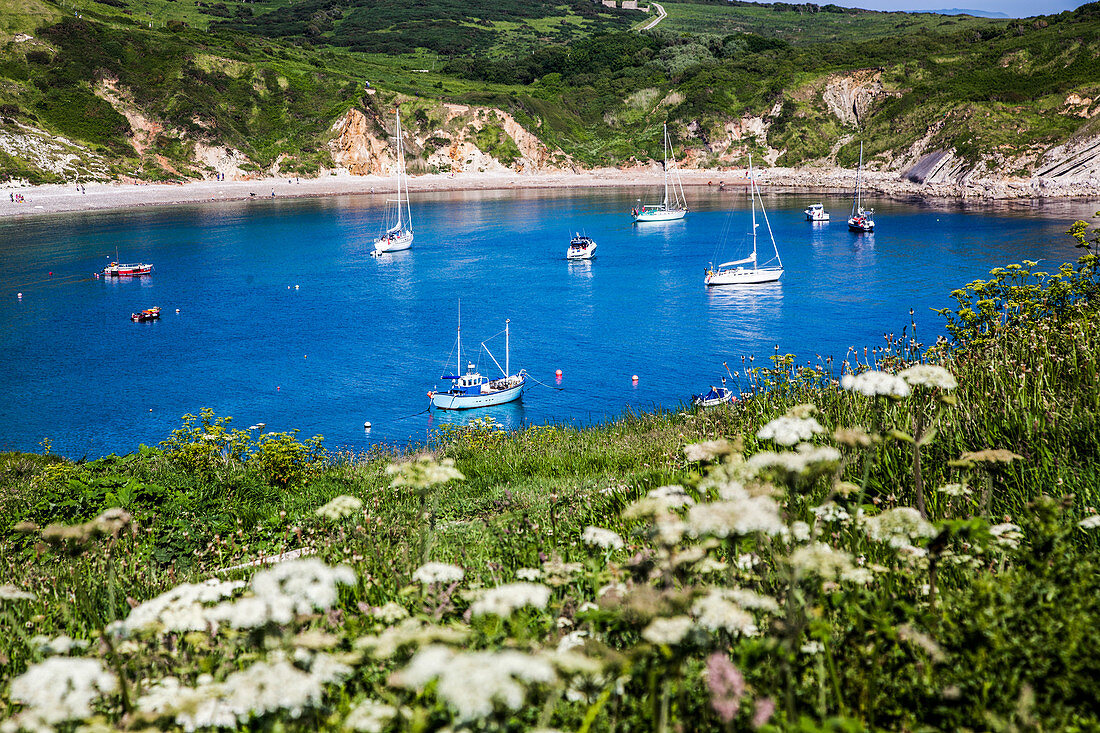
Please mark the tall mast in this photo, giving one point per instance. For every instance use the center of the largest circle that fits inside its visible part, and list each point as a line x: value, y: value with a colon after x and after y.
x: 507, y: 368
x: 859, y: 172
x: 666, y: 164
x: 400, y: 162
x: 752, y: 198
x: 459, y: 372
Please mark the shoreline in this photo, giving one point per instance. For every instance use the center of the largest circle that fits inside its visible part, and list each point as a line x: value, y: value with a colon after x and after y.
x: 99, y: 196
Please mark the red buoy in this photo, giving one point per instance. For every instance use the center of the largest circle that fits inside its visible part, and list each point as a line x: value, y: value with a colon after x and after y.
x: 557, y: 373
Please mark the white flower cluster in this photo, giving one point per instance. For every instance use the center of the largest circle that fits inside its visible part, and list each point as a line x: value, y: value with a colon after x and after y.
x: 410, y: 632
x: 743, y: 516
x: 370, y: 716
x: 875, y: 384
x: 830, y: 511
x: 340, y: 507
x: 423, y: 472
x: 929, y: 376
x: 659, y: 501
x: 504, y: 599
x: 828, y: 563
x: 179, y: 609
x: 752, y: 600
x: 716, y: 611
x: 707, y: 450
x: 954, y: 490
x: 60, y: 645
x: 667, y: 631
x: 602, y: 538
x: 438, y: 572
x: 59, y: 689
x: 1006, y: 536
x: 787, y: 430
x: 1090, y: 523
x: 261, y: 689
x: 470, y: 682
x: 804, y: 457
x: 14, y: 593
x: 898, y: 527
x: 292, y: 587
x: 531, y: 574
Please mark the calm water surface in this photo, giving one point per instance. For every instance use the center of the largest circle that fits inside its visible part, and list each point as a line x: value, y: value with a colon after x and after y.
x: 284, y: 318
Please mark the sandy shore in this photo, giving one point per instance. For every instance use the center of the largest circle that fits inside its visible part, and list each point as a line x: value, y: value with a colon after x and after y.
x: 59, y: 198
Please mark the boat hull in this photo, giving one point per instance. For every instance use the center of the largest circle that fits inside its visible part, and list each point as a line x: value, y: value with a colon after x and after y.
x: 586, y: 253
x: 741, y: 276
x: 856, y: 226
x: 127, y: 270
x: 672, y: 215
x: 393, y: 244
x: 451, y: 401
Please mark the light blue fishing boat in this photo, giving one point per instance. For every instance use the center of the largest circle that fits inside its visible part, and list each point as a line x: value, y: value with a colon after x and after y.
x: 473, y: 389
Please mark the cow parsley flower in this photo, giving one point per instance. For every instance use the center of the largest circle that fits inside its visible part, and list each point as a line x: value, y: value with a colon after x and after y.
x: 390, y: 612
x: 798, y: 461
x: 289, y: 588
x: 827, y: 563
x: 830, y: 511
x: 752, y: 600
x: 370, y: 716
x: 471, y: 682
x: 602, y: 538
x: 1090, y: 523
x: 954, y: 490
x: 787, y: 430
x: 659, y: 501
x: 179, y: 609
x: 340, y: 507
x: 438, y: 572
x: 741, y: 517
x: 60, y: 689
x: 423, y: 472
x: 504, y: 599
x: 14, y: 593
x: 410, y: 632
x: 667, y: 631
x: 875, y: 384
x: 707, y: 450
x: 1006, y: 536
x: 898, y: 527
x: 929, y: 376
x: 530, y: 574
x: 716, y: 612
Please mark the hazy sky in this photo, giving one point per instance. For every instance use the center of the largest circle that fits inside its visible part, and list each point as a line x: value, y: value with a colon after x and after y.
x: 1012, y: 8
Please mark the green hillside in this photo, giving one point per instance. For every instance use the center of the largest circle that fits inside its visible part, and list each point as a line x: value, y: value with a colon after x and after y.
x: 143, y: 87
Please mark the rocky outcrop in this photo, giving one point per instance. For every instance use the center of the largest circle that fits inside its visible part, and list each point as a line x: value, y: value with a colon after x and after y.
x: 852, y: 96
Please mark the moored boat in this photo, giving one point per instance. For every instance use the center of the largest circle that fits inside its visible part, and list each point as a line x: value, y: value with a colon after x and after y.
x: 398, y: 236
x: 581, y: 248
x: 816, y: 212
x: 672, y: 207
x: 473, y: 389
x: 861, y: 220
x: 748, y: 270
x: 116, y: 269
x: 149, y: 314
x: 716, y: 396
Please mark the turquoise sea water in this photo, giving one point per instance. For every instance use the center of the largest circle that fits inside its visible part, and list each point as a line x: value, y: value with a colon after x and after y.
x: 285, y: 319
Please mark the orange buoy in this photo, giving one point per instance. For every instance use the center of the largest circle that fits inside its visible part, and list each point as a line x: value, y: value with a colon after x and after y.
x: 557, y: 373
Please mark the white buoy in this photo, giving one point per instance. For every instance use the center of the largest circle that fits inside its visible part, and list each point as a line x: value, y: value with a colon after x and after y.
x: 177, y: 310
x: 366, y: 425
x: 21, y: 296
x: 634, y: 378
x: 295, y: 287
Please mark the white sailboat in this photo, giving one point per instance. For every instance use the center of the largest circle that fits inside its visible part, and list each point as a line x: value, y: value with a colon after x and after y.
x: 861, y: 220
x: 475, y: 390
x: 749, y: 271
x: 399, y: 232
x: 670, y: 208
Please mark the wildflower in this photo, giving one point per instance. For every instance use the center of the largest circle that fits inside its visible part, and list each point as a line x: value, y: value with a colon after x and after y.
x: 294, y: 586
x: 788, y: 430
x: 438, y: 572
x: 990, y: 455
x: 827, y: 562
x: 370, y: 716
x: 179, y: 609
x: 752, y: 600
x: 423, y: 472
x: 910, y: 634
x: 667, y: 631
x: 954, y: 490
x: 726, y: 685
x: 799, y: 461
x: 707, y: 450
x: 340, y: 507
x: 875, y: 384
x: 59, y: 689
x: 762, y: 712
x: 812, y: 647
x: 709, y: 566
x: 747, y: 561
x: 1090, y: 523
x: 410, y: 632
x: 725, y: 518
x: 1006, y: 536
x: 800, y: 531
x: 659, y: 501
x: 898, y: 526
x: 831, y: 512
x: 572, y: 640
x: 669, y: 529
x: 802, y: 412
x: 504, y: 599
x: 470, y: 682
x: 558, y: 573
x: 14, y: 593
x: 603, y: 538
x: 60, y: 645
x: 715, y: 612
x: 929, y: 376
x: 853, y: 437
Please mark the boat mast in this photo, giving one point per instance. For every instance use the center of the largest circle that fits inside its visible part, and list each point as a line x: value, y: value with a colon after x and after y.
x: 859, y: 172
x: 459, y: 372
x: 752, y: 198
x: 400, y: 164
x: 666, y: 164
x: 507, y: 368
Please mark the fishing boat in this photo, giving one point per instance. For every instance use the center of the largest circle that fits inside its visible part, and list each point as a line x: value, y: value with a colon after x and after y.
x: 671, y: 207
x: 861, y: 220
x: 816, y: 212
x: 716, y: 396
x: 116, y: 269
x: 581, y: 248
x: 149, y: 314
x: 398, y: 234
x: 472, y: 389
x: 749, y: 271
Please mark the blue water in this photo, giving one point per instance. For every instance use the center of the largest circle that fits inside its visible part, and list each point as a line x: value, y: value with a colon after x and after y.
x: 284, y: 318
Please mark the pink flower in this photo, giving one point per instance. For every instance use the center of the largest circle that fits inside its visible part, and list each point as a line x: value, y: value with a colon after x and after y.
x: 726, y: 685
x: 765, y: 706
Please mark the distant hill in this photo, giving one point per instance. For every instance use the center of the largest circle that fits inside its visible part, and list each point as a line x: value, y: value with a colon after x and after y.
x: 966, y: 11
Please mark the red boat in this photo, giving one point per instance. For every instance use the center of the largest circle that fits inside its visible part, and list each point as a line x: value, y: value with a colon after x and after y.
x: 117, y: 270
x: 149, y: 314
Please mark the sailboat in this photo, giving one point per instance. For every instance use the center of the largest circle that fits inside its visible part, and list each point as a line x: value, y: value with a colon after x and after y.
x: 748, y: 271
x: 399, y: 235
x: 861, y: 220
x: 669, y: 209
x: 475, y: 390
